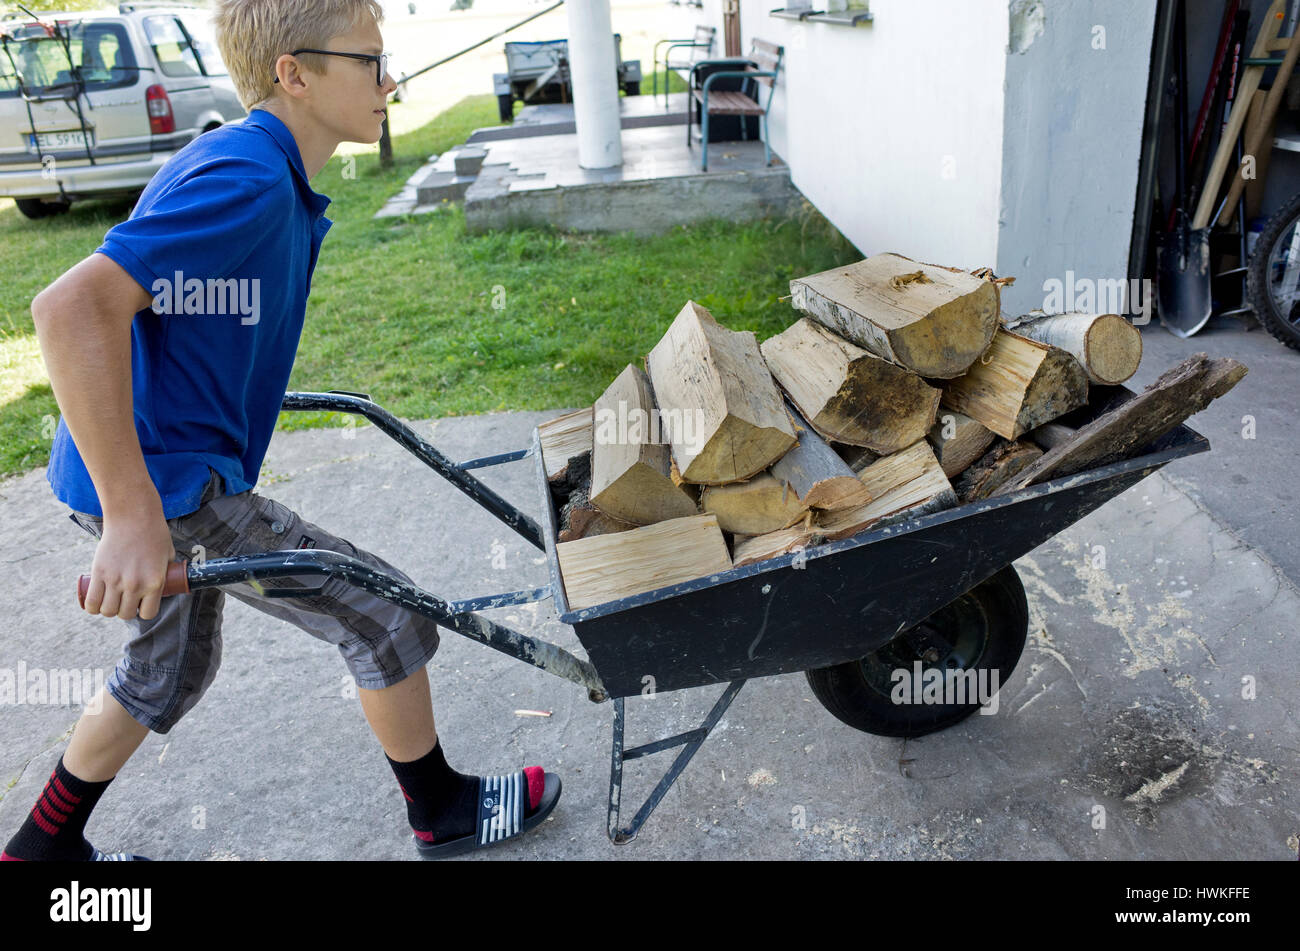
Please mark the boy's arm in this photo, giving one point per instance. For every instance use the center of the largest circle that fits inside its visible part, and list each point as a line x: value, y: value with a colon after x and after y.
x: 83, y: 321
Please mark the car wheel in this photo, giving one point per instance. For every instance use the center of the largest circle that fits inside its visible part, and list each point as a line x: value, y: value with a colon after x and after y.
x: 35, y: 208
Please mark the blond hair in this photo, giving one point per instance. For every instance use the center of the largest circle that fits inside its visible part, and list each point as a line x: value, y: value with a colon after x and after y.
x: 253, y: 34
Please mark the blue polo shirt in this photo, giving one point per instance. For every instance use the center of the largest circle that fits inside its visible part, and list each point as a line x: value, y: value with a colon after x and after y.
x: 225, y: 238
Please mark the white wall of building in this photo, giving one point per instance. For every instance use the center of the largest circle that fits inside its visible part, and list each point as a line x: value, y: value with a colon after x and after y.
x: 927, y: 134
x: 893, y: 130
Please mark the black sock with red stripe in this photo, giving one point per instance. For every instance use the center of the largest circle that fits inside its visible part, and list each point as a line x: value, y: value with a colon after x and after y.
x: 55, y: 828
x: 440, y: 802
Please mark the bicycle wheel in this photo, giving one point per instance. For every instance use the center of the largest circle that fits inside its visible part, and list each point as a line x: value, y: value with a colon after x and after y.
x: 1273, y: 278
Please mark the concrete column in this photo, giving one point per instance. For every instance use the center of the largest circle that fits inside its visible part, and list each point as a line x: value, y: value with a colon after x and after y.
x: 595, y: 84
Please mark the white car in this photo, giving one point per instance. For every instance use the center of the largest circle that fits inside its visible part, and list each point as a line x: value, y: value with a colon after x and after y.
x: 93, y: 104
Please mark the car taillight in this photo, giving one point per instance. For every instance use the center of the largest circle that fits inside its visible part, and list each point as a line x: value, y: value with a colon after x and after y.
x: 161, y: 119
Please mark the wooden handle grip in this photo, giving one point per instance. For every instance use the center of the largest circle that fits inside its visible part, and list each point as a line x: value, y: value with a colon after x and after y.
x: 177, y: 582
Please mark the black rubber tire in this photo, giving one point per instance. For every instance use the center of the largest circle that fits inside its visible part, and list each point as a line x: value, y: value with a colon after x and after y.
x: 34, y: 208
x: 506, y: 108
x: 989, y: 624
x: 1276, y: 323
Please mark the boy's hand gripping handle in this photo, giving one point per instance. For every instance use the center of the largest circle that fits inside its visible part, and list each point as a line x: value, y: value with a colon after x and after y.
x: 177, y: 582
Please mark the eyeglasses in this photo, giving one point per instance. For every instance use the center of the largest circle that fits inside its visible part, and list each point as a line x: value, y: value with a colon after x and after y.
x: 379, y: 59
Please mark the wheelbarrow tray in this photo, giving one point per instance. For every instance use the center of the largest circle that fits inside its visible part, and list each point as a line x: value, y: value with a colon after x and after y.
x: 836, y: 602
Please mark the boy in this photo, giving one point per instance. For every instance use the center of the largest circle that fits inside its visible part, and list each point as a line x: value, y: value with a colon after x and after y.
x: 168, y: 405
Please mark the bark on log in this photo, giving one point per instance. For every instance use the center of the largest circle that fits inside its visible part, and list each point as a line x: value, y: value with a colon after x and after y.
x: 816, y: 474
x: 850, y: 395
x: 997, y: 466
x: 931, y: 320
x: 1180, y: 392
x: 958, y: 441
x: 578, y: 517
x: 1107, y: 346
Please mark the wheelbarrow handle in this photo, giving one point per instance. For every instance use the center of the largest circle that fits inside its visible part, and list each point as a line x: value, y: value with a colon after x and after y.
x: 177, y: 582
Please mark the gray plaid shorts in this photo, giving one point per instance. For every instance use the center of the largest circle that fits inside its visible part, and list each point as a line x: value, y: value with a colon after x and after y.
x: 173, y: 658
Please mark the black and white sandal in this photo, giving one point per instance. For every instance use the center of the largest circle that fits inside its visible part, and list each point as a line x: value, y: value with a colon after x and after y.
x: 99, y: 856
x: 508, y: 806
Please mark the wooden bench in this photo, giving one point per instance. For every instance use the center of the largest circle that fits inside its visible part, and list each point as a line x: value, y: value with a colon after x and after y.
x: 766, y: 58
x: 700, y: 46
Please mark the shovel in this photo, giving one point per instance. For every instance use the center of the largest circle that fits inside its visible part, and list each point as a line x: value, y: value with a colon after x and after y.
x: 1183, y: 259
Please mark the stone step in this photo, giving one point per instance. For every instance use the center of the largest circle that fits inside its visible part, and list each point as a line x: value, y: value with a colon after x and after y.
x: 433, y: 184
x: 468, y: 160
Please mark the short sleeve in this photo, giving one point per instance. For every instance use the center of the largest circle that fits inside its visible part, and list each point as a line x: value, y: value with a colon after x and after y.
x: 204, y: 227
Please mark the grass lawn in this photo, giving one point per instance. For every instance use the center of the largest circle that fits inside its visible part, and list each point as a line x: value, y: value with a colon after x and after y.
x: 432, y: 322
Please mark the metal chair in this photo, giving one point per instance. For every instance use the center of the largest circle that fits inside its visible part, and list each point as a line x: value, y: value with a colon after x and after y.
x: 703, y: 41
x: 767, y: 57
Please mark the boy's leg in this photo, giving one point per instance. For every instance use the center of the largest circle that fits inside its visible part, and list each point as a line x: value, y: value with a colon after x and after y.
x: 386, y: 648
x: 103, y: 740
x: 401, y: 717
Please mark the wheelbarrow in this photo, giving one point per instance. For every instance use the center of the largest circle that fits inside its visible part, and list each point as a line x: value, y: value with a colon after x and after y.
x: 935, y: 593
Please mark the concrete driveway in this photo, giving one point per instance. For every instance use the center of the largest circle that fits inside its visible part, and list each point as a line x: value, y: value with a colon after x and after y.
x: 1153, y: 715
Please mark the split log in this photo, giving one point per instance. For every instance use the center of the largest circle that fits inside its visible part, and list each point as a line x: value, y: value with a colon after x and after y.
x: 905, y: 485
x: 597, y: 570
x: 1018, y: 385
x: 1107, y: 346
x: 958, y: 441
x: 761, y: 505
x: 848, y: 394
x: 724, y: 413
x: 631, y: 471
x: 931, y: 320
x: 1000, y: 464
x: 1138, y: 420
x: 564, y: 438
x: 816, y: 474
x: 763, y: 547
x: 578, y: 517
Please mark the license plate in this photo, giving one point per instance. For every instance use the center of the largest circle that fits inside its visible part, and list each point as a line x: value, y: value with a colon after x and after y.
x: 53, y: 141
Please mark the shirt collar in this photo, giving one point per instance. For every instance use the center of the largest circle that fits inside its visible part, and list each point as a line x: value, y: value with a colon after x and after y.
x: 278, y: 131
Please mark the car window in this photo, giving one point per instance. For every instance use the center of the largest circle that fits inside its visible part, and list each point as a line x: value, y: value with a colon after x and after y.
x: 171, y: 46
x: 97, y: 52
x: 204, y: 40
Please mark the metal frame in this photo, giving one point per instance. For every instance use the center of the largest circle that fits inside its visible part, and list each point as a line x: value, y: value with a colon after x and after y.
x: 704, y: 104
x: 462, y: 617
x: 676, y: 44
x: 692, y: 740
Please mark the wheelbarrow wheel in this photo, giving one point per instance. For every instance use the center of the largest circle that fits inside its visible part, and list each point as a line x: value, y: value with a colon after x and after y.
x: 983, y: 632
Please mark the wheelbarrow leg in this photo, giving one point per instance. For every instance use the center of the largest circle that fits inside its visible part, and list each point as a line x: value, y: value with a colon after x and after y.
x: 690, y: 740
